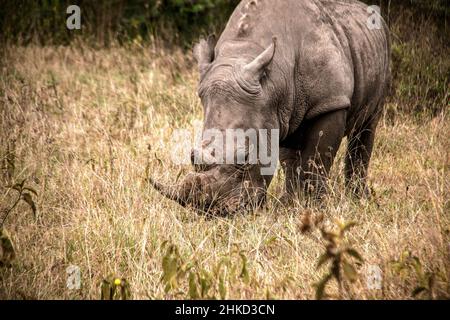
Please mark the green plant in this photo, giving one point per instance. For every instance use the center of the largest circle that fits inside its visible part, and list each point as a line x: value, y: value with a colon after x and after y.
x: 425, y: 281
x: 113, y: 288
x: 7, y: 253
x: 179, y: 273
x: 339, y: 254
x: 24, y: 194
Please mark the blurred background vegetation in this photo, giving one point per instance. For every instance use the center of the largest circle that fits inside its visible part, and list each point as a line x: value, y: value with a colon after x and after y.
x: 420, y: 34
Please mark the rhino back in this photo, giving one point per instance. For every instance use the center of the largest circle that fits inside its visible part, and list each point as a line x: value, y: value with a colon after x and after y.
x: 328, y: 56
x: 367, y: 46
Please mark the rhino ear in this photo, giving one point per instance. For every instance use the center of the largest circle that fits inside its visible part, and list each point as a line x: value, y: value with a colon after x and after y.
x: 204, y: 53
x: 255, y: 69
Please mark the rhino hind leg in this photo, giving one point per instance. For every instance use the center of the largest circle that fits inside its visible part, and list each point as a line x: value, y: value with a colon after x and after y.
x: 307, y: 167
x: 359, y: 152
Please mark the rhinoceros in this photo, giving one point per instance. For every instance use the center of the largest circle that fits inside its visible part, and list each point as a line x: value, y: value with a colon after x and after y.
x: 314, y: 70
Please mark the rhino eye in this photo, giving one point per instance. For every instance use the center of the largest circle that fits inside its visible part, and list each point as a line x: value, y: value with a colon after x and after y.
x: 252, y: 89
x: 200, y: 93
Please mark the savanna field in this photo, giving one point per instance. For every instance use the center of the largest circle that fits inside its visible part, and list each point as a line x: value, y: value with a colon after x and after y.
x: 82, y: 129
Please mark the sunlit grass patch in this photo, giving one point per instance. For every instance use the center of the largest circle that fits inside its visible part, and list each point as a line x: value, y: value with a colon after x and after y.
x: 85, y: 140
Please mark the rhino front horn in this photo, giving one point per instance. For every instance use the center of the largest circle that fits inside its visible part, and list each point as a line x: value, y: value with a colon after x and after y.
x: 170, y: 193
x: 184, y: 194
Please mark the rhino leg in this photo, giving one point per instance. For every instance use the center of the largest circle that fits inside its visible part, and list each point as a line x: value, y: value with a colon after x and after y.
x: 290, y: 159
x: 306, y: 167
x: 359, y: 151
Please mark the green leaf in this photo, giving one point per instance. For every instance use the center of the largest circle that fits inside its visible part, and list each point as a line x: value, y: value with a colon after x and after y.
x: 224, y: 262
x: 28, y: 199
x: 205, y: 283
x: 320, y: 287
x: 170, y: 268
x: 15, y: 187
x: 164, y: 244
x: 178, y: 175
x: 125, y: 290
x: 330, y: 236
x: 354, y: 254
x: 193, y: 291
x: 336, y: 269
x: 7, y: 253
x: 417, y: 267
x: 107, y: 290
x: 21, y: 184
x: 31, y: 190
x: 418, y: 291
x: 158, y: 159
x: 222, y: 287
x: 244, y: 271
x: 322, y: 259
x: 271, y: 240
x: 349, y: 271
x: 431, y: 281
x: 405, y: 255
x: 347, y: 226
x: 397, y: 266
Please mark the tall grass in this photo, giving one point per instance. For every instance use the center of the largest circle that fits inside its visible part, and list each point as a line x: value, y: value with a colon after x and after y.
x: 84, y: 126
x: 420, y: 67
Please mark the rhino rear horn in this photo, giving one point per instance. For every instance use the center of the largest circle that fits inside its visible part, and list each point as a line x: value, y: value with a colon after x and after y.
x: 255, y: 69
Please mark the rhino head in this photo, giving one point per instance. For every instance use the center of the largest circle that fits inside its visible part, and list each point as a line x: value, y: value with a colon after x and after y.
x: 235, y: 94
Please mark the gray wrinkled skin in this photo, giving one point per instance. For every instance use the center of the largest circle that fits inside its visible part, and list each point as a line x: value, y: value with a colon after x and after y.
x: 310, y: 68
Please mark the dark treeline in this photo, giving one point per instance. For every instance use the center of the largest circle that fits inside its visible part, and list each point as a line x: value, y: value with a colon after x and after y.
x: 104, y: 21
x: 419, y: 32
x: 175, y: 21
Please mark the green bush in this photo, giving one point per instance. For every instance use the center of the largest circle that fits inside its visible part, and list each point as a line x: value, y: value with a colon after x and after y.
x: 44, y: 21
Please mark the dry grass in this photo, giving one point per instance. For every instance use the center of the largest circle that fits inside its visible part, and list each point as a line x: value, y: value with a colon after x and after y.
x: 84, y: 125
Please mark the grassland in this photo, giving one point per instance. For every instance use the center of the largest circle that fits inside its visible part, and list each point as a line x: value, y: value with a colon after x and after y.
x: 84, y: 127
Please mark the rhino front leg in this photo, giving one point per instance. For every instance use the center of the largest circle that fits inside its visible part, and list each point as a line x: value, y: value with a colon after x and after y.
x: 306, y: 168
x: 290, y: 160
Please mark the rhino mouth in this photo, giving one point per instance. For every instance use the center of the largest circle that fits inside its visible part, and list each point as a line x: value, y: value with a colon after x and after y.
x: 213, y: 192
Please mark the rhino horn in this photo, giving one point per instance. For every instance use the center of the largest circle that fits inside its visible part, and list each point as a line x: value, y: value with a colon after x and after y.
x: 185, y: 193
x: 254, y: 70
x: 169, y: 192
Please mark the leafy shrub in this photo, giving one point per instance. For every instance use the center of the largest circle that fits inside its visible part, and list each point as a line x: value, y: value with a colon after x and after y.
x: 25, y: 194
x: 339, y: 255
x: 427, y: 284
x: 113, y: 288
x: 187, y: 278
x: 104, y: 21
